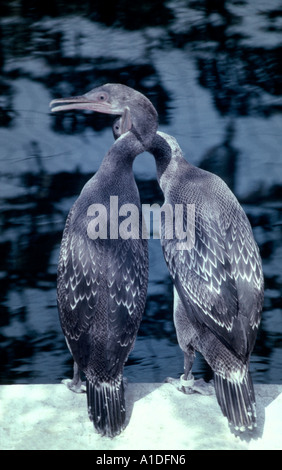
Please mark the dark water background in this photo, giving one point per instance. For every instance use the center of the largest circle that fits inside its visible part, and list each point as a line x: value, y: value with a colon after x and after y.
x: 213, y: 71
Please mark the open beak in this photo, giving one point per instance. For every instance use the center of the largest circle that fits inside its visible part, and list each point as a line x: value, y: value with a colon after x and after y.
x: 82, y: 102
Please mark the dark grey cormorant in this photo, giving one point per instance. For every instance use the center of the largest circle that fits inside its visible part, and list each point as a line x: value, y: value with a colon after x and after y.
x: 218, y: 280
x: 102, y: 282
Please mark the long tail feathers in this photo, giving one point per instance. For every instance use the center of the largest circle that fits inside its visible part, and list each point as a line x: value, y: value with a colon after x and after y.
x: 237, y: 401
x: 106, y: 406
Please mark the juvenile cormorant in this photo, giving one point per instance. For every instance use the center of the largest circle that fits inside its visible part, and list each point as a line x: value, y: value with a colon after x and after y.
x: 102, y: 279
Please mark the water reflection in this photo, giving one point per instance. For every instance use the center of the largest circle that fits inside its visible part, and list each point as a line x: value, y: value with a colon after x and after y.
x: 222, y: 158
x: 212, y: 71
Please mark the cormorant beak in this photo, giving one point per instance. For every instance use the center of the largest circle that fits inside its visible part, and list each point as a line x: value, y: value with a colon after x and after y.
x: 125, y: 122
x: 85, y: 102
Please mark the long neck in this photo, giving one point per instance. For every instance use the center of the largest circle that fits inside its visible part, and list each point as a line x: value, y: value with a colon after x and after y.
x: 121, y: 155
x: 166, y: 151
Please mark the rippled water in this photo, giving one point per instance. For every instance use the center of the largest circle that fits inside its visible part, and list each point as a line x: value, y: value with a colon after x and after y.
x: 213, y: 71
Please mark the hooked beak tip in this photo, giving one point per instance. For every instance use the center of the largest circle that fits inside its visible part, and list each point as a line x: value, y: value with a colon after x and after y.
x: 83, y: 103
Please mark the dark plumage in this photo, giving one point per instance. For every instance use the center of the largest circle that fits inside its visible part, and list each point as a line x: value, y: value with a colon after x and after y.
x: 218, y: 280
x: 102, y: 283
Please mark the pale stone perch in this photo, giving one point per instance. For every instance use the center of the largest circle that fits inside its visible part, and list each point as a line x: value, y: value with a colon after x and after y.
x: 50, y: 417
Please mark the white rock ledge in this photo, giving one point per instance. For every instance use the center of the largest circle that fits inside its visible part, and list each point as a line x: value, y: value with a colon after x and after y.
x: 51, y: 417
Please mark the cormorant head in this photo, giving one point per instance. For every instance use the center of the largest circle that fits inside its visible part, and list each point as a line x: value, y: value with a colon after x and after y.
x: 138, y: 113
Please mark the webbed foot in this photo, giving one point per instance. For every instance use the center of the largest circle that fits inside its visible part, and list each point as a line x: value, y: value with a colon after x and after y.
x: 190, y: 385
x: 75, y: 386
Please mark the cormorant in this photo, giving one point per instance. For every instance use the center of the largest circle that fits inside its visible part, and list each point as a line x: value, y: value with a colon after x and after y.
x: 217, y: 275
x: 103, y: 268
